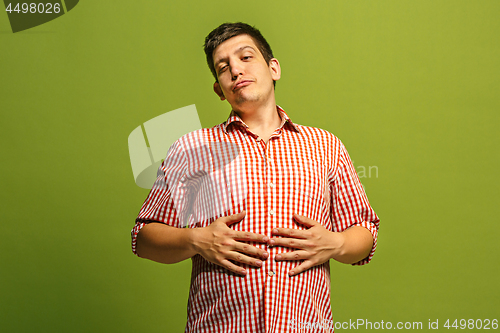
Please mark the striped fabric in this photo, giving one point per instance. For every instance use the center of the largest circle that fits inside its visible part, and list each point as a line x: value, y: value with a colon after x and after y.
x: 222, y: 170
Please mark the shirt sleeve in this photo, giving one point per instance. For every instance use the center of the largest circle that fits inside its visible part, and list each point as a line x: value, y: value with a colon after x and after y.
x: 350, y: 205
x: 160, y: 205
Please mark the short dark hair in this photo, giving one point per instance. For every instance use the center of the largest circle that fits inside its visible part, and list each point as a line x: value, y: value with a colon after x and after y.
x: 229, y: 30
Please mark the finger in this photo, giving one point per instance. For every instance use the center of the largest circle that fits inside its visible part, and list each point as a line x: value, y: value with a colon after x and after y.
x: 232, y: 267
x: 304, y: 266
x: 290, y: 233
x: 251, y: 250
x: 232, y: 219
x: 250, y: 237
x: 295, y: 243
x: 240, y: 257
x: 292, y: 256
x: 304, y: 220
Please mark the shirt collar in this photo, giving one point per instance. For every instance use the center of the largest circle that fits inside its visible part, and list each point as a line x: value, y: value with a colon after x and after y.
x: 236, y: 120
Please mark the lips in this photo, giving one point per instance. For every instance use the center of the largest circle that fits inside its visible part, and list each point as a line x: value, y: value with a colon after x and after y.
x: 241, y: 84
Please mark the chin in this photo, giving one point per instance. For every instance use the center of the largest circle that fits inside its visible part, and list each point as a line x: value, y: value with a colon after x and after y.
x: 246, y: 99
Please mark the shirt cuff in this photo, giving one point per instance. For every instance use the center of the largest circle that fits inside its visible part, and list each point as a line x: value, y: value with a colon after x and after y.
x: 135, y: 231
x: 372, y: 227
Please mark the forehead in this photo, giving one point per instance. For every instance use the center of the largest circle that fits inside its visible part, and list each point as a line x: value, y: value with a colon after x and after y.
x: 234, y: 45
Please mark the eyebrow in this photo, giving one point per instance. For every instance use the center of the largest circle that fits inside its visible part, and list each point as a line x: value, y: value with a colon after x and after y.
x: 237, y: 51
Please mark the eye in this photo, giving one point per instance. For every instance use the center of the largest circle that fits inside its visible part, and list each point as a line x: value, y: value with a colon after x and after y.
x: 222, y: 69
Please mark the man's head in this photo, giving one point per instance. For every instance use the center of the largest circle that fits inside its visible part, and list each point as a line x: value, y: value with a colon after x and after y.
x: 229, y: 30
x: 243, y: 65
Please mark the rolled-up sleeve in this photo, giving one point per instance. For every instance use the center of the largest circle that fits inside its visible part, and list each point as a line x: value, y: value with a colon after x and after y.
x: 350, y: 205
x: 160, y: 205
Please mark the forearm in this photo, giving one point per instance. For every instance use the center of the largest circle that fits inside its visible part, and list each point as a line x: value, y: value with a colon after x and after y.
x: 165, y: 244
x: 217, y: 243
x: 356, y: 244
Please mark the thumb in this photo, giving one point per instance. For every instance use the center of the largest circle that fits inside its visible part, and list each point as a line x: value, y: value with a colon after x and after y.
x: 304, y: 220
x: 232, y: 219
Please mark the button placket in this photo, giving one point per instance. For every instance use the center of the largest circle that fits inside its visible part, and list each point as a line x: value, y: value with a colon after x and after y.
x: 270, y: 164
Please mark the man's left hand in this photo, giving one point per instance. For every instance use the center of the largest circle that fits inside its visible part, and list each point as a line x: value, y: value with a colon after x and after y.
x: 314, y: 246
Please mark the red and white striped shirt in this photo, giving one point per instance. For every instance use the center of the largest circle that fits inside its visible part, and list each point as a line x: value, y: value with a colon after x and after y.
x: 223, y: 170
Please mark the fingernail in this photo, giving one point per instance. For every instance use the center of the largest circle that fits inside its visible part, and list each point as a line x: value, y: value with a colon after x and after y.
x: 271, y: 242
x: 275, y: 230
x: 243, y: 271
x: 265, y: 254
x: 258, y: 263
x: 278, y: 257
x: 291, y: 273
x: 265, y: 239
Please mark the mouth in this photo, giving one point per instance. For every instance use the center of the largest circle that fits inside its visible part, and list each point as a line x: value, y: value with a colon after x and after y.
x: 241, y: 84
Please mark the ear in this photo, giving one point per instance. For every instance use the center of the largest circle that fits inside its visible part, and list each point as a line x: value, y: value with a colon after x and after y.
x: 275, y: 69
x: 218, y: 91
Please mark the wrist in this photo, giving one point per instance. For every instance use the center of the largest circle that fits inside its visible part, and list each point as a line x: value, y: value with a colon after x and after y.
x: 194, y: 239
x: 338, y: 245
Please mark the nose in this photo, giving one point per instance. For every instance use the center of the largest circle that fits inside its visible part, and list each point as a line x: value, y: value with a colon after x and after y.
x: 236, y: 69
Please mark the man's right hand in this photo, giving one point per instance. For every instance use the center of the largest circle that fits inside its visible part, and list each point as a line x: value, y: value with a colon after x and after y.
x: 222, y: 245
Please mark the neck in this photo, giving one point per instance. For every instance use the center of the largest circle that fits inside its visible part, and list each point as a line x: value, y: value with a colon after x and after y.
x: 262, y: 120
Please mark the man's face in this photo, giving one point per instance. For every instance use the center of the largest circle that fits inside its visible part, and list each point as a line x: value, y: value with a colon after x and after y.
x: 244, y: 77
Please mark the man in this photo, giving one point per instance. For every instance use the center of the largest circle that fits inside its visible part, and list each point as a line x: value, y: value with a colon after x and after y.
x: 268, y: 204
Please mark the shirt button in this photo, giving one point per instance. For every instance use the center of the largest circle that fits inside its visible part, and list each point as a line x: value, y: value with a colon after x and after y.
x: 271, y: 184
x: 271, y: 212
x: 271, y: 273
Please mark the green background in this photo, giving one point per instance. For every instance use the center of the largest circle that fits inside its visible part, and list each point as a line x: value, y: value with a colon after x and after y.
x: 411, y: 87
